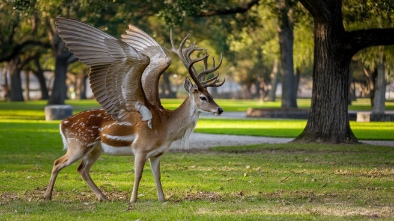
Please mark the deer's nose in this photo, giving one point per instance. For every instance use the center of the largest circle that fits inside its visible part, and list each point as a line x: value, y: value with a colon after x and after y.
x: 220, y: 110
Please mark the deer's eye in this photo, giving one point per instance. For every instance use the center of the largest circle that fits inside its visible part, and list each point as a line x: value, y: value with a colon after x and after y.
x: 203, y: 98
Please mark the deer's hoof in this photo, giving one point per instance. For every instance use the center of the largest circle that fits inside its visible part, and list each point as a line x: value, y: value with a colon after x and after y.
x: 102, y: 198
x: 130, y: 207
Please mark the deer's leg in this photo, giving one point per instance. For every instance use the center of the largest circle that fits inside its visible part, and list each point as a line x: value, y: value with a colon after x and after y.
x: 84, y: 169
x: 69, y: 158
x: 155, y: 165
x: 139, y: 162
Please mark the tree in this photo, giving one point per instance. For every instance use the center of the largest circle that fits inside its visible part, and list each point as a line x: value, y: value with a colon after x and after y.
x: 334, y: 48
x: 100, y: 12
x: 38, y: 71
x: 18, y: 36
x: 285, y: 10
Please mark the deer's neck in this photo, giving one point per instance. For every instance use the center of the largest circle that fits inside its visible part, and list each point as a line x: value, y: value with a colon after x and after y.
x: 183, y: 120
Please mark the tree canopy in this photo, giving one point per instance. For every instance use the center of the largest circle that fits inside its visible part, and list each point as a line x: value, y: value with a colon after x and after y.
x: 254, y: 36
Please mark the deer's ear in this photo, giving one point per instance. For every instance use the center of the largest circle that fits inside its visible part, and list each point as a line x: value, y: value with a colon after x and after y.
x: 189, y: 87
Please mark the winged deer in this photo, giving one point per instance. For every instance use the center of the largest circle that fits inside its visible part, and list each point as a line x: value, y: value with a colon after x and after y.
x: 124, y: 76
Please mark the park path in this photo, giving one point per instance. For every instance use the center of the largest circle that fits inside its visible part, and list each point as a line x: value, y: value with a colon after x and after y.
x: 205, y: 141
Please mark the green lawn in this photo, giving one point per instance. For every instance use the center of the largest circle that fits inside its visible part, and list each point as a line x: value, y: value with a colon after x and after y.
x: 266, y: 182
x: 34, y: 109
x: 288, y: 128
x: 259, y: 182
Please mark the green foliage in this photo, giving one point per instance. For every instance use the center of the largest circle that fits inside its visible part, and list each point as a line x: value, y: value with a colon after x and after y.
x: 175, y: 12
x: 371, y: 14
x: 23, y: 5
x: 367, y: 12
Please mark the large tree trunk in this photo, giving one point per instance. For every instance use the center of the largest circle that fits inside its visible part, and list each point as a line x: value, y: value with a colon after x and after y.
x: 329, y: 119
x: 43, y: 87
x: 371, y: 78
x: 297, y: 81
x: 27, y: 85
x: 5, y: 80
x: 16, y: 93
x: 59, y: 88
x: 166, y: 89
x: 286, y: 40
x: 39, y: 73
x: 274, y: 81
x: 380, y: 86
x: 81, y: 86
x: 334, y: 47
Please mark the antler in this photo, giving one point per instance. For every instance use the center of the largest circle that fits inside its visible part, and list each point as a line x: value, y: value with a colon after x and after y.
x: 185, y: 53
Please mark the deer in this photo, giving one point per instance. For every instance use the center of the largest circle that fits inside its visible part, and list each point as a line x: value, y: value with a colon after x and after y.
x: 124, y: 75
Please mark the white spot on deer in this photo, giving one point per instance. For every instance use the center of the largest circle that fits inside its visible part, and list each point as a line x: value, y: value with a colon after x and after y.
x: 129, y: 138
x: 65, y: 145
x: 124, y: 123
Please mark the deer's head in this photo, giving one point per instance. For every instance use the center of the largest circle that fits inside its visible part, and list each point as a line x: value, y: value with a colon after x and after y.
x: 202, y: 99
x: 198, y: 92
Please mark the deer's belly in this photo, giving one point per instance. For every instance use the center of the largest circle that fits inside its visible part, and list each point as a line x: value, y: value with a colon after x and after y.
x: 117, y: 145
x: 117, y: 150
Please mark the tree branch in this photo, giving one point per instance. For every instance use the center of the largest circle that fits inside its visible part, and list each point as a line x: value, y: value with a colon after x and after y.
x: 72, y: 58
x: 360, y: 39
x: 18, y: 48
x: 235, y: 10
x: 318, y: 9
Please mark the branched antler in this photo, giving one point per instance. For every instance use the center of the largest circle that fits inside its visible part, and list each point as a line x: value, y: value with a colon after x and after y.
x: 198, y: 78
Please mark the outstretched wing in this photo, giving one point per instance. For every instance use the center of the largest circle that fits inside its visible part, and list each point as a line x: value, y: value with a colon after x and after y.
x: 159, y: 61
x: 115, y: 67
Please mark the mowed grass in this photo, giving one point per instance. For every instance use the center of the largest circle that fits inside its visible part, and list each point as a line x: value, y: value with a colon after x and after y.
x: 259, y: 182
x: 288, y: 128
x: 33, y: 110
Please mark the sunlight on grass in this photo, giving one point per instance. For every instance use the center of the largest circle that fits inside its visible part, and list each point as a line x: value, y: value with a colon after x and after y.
x: 34, y: 111
x: 288, y: 128
x: 268, y: 181
x: 257, y: 182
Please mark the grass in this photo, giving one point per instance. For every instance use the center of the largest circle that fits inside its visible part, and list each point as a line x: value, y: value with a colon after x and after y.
x: 288, y: 128
x: 263, y: 182
x: 34, y: 109
x: 258, y: 182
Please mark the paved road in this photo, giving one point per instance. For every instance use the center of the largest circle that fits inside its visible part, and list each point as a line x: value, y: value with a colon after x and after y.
x: 204, y: 141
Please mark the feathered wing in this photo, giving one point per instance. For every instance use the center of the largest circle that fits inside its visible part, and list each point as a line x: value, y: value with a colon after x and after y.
x: 115, y: 67
x: 159, y: 61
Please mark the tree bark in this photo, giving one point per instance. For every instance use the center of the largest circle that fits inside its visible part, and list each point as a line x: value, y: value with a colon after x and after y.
x: 286, y: 40
x: 329, y: 119
x: 27, y: 85
x: 59, y: 88
x: 16, y: 92
x: 43, y: 87
x: 166, y: 90
x: 5, y: 80
x: 39, y: 73
x: 334, y: 48
x: 371, y: 78
x: 380, y: 88
x: 274, y: 81
x: 81, y: 86
x: 297, y: 81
